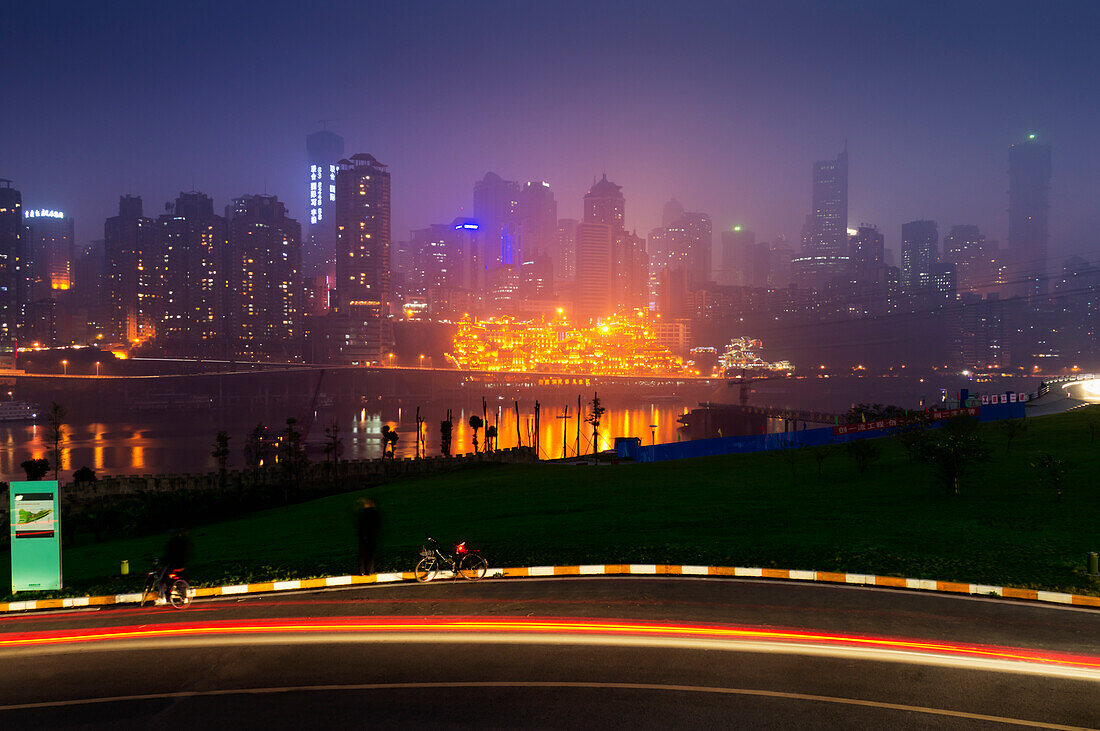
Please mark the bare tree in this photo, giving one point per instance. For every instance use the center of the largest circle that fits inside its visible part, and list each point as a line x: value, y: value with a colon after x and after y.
x: 56, y: 420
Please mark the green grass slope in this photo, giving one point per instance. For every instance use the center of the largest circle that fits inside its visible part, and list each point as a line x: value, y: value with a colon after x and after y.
x: 1006, y: 528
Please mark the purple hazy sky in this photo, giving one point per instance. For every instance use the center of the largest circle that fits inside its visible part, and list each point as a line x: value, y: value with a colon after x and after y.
x: 724, y: 105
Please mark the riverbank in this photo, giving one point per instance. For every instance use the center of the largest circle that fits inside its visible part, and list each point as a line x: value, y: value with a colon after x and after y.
x: 1006, y: 528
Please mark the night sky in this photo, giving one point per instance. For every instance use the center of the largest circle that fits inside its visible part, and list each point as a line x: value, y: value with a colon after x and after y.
x: 723, y: 105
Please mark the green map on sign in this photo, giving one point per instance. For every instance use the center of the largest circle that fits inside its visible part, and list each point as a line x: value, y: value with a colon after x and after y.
x: 26, y: 516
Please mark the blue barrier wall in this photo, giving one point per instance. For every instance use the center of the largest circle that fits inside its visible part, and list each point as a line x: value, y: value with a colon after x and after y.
x: 633, y: 449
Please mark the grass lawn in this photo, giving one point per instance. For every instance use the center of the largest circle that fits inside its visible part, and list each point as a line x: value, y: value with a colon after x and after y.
x: 1006, y: 528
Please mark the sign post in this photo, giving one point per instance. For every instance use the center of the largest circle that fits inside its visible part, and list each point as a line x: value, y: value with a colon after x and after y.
x: 35, y: 536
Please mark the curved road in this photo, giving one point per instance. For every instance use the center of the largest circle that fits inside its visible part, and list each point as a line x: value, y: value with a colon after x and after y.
x: 561, y: 652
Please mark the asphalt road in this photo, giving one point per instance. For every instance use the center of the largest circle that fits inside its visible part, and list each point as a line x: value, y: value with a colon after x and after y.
x: 560, y: 653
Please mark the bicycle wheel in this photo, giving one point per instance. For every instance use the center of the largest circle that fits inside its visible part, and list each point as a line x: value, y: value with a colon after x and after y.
x: 150, y: 588
x: 426, y: 569
x: 179, y: 594
x: 473, y: 567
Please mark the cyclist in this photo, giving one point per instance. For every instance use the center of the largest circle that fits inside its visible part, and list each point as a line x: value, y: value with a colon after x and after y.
x: 176, y: 553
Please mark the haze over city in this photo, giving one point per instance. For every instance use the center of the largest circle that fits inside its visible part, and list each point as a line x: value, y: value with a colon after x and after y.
x: 722, y: 105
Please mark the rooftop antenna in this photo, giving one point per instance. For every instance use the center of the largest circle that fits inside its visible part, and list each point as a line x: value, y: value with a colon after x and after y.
x: 324, y: 122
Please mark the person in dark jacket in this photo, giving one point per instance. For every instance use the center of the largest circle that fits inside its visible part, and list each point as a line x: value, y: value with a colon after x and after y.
x: 368, y: 522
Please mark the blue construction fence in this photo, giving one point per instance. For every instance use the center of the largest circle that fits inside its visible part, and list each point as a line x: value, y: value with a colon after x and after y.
x: 632, y: 447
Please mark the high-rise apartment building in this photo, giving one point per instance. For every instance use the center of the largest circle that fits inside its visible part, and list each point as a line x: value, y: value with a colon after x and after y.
x: 363, y: 294
x: 323, y: 150
x: 690, y: 240
x: 263, y: 276
x: 191, y: 252
x: 825, y: 236
x: 11, y: 237
x: 132, y: 273
x: 1029, y: 215
x: 919, y: 245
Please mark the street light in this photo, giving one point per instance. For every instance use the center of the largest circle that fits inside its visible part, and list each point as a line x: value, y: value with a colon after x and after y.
x: 65, y: 367
x: 652, y: 442
x: 97, y: 367
x: 421, y: 360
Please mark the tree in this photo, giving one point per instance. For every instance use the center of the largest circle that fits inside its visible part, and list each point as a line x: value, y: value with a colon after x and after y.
x: 490, y: 438
x: 84, y: 476
x: 36, y: 469
x: 954, y: 451
x: 863, y: 452
x: 873, y: 412
x: 912, y: 435
x: 1012, y: 428
x: 790, y: 453
x: 221, y: 452
x: 1052, y: 471
x: 292, y: 456
x: 56, y: 420
x: 389, y: 441
x: 475, y: 424
x: 446, y: 427
x: 257, y: 448
x: 820, y: 453
x: 593, y: 418
x: 334, y: 446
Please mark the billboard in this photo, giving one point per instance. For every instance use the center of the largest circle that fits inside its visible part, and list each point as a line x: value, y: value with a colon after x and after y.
x: 35, y: 536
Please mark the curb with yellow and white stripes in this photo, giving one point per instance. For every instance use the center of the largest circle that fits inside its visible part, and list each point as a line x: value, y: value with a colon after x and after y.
x: 950, y: 587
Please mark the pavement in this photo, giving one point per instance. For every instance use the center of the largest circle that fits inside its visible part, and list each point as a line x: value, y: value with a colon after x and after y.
x: 560, y: 652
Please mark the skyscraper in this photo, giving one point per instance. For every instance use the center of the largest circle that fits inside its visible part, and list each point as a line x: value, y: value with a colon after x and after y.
x: 592, y: 292
x: 131, y: 271
x: 734, y: 256
x: 825, y: 238
x: 919, y: 244
x: 48, y: 253
x: 565, y: 265
x: 867, y: 252
x: 536, y: 228
x: 495, y: 204
x: 323, y: 149
x: 264, y: 280
x: 363, y: 257
x: 11, y: 236
x: 1029, y: 215
x: 689, y: 242
x: 604, y: 203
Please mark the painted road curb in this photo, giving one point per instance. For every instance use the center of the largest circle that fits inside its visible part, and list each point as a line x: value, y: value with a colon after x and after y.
x: 950, y: 587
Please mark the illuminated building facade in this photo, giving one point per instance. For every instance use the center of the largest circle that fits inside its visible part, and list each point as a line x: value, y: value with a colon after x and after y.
x: 690, y: 242
x: 624, y: 344
x: 867, y: 252
x: 190, y: 294
x: 1029, y: 215
x: 264, y: 279
x: 11, y: 237
x: 48, y: 253
x: 132, y: 273
x: 362, y: 295
x: 323, y: 150
x: 746, y: 354
x: 536, y: 229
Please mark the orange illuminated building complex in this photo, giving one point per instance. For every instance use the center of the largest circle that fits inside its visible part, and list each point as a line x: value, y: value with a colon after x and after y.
x: 621, y: 345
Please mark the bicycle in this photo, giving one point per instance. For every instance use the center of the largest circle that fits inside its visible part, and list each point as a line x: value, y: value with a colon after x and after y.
x: 465, y: 562
x: 177, y: 591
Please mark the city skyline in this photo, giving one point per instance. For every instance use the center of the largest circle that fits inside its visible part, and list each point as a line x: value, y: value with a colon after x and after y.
x: 706, y: 143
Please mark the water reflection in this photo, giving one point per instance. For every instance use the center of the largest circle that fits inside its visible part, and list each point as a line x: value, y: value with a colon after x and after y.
x: 183, y: 443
